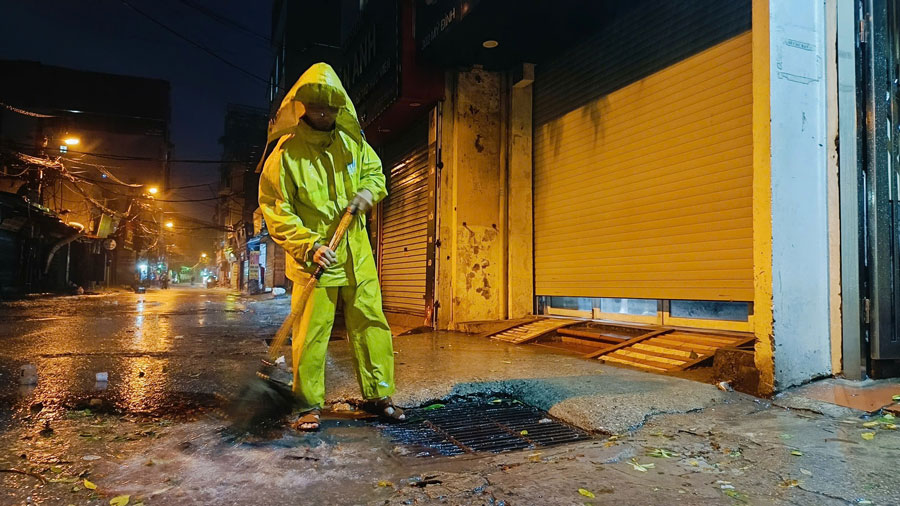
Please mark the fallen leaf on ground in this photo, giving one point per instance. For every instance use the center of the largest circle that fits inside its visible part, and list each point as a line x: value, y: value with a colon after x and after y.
x: 695, y: 463
x: 789, y: 483
x: 797, y: 453
x: 890, y: 426
x: 385, y: 483
x: 586, y: 493
x: 805, y: 471
x: 120, y: 500
x: 640, y: 467
x: 662, y: 453
x: 90, y: 457
x: 433, y: 407
x: 895, y: 398
x: 496, y: 401
x: 524, y: 433
x: 737, y: 496
x: 870, y: 424
x: 56, y: 469
x: 88, y: 485
x: 785, y: 436
x: 868, y: 436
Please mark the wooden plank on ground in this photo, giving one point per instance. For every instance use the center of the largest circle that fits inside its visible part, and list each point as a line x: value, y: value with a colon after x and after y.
x: 682, y: 345
x: 533, y: 330
x: 704, y: 358
x: 632, y: 354
x: 613, y: 358
x: 669, y: 349
x: 698, y: 360
x: 628, y: 343
x: 656, y: 352
x: 510, y: 324
x: 695, y: 338
x: 594, y: 336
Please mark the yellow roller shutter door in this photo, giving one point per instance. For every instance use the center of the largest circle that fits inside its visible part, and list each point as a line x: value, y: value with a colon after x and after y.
x: 404, y: 251
x: 646, y: 192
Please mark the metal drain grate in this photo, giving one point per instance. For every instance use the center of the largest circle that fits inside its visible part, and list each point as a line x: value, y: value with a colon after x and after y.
x: 482, y: 425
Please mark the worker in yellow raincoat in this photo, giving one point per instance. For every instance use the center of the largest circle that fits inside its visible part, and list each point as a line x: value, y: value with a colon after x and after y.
x: 320, y: 165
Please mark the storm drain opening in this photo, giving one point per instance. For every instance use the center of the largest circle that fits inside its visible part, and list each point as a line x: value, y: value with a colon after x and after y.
x: 483, y: 424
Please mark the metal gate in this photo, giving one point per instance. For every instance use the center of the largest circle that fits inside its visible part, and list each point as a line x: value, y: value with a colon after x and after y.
x: 880, y: 39
x: 406, y: 220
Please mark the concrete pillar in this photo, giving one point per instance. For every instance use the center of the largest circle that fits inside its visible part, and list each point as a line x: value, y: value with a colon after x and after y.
x: 790, y: 192
x: 520, y: 199
x: 471, y: 272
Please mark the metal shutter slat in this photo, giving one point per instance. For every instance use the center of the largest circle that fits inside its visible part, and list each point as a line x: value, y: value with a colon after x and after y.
x: 667, y: 162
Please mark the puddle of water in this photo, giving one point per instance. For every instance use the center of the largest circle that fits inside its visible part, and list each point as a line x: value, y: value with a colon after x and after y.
x: 864, y: 398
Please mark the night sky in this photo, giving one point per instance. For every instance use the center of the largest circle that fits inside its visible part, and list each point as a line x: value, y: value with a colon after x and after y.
x: 108, y: 36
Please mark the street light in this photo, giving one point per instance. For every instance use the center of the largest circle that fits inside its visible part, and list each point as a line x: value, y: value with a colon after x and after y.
x: 71, y: 141
x: 202, y: 255
x: 169, y: 224
x: 153, y: 190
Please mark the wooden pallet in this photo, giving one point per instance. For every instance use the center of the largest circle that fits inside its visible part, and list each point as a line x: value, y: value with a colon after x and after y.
x: 667, y: 350
x: 532, y: 330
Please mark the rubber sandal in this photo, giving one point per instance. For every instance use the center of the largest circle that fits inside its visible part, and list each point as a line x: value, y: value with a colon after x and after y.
x: 385, y: 409
x: 308, y: 422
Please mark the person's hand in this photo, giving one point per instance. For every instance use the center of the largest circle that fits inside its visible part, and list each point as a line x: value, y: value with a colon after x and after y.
x: 323, y: 255
x: 362, y: 201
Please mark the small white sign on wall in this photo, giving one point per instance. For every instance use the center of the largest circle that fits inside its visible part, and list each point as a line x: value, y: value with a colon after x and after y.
x: 796, y: 56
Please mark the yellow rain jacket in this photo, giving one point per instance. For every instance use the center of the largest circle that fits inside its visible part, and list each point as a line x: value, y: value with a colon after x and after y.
x: 306, y: 184
x: 311, y: 176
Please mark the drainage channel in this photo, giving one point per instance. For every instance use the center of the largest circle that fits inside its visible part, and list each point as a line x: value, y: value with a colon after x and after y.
x: 473, y: 425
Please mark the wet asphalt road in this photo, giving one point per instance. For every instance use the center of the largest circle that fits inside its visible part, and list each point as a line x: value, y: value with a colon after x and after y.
x: 151, y: 432
x: 164, y: 351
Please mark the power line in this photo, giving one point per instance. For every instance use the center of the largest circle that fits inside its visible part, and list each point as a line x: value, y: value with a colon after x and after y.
x: 225, y: 20
x: 196, y: 44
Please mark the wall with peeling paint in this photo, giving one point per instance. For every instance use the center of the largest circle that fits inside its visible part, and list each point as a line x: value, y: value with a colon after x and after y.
x: 472, y: 233
x: 799, y: 166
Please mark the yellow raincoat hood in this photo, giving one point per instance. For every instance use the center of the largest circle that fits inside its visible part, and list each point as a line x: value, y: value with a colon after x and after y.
x: 319, y: 84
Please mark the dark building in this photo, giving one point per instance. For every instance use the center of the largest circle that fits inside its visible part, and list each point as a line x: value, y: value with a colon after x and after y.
x: 242, y: 146
x: 108, y: 136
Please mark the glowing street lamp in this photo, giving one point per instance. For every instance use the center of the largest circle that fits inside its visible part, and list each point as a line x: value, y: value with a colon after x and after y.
x: 153, y: 190
x: 169, y: 224
x: 71, y: 141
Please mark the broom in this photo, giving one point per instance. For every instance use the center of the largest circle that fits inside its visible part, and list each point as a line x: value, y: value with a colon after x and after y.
x: 269, y: 396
